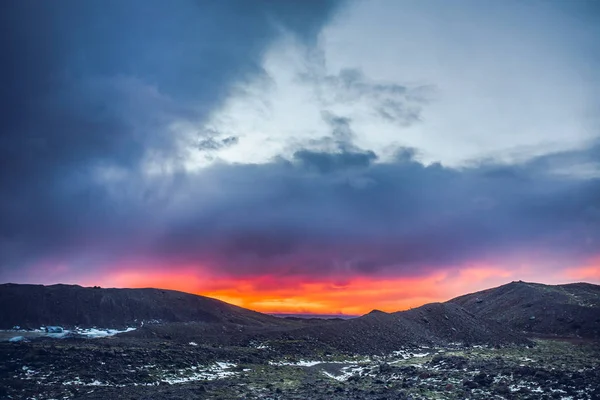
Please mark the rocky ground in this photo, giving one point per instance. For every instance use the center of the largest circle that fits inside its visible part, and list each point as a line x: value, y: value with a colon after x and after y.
x: 133, y: 368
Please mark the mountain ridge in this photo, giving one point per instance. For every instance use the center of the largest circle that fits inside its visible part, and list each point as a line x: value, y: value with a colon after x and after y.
x: 74, y: 305
x: 571, y: 309
x: 495, y: 315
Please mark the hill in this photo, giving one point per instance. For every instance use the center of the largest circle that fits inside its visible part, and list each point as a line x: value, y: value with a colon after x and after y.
x: 381, y: 333
x: 563, y: 310
x: 32, y: 306
x: 452, y: 323
x: 184, y: 318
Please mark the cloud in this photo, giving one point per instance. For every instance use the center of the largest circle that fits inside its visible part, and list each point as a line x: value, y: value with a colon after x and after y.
x: 328, y: 162
x: 511, y: 80
x: 283, y: 218
x: 336, y: 151
x: 401, y: 105
x: 102, y: 110
x: 212, y: 144
x: 64, y: 97
x: 93, y: 97
x: 340, y: 218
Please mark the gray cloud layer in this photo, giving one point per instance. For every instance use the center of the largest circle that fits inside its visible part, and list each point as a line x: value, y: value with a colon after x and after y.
x: 322, y: 213
x: 91, y: 87
x: 73, y: 71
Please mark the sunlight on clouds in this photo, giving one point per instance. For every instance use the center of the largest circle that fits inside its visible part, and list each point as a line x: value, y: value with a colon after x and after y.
x: 589, y: 272
x: 278, y: 113
x: 522, y: 106
x: 352, y: 295
x: 498, y: 89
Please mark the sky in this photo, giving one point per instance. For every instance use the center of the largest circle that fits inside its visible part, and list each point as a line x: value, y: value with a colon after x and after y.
x: 301, y: 156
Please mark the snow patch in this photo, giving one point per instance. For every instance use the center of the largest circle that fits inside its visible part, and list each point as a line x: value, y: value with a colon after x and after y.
x: 98, y: 333
x: 301, y: 363
x: 347, y: 372
x: 200, y: 373
x: 408, y: 354
x: 57, y: 332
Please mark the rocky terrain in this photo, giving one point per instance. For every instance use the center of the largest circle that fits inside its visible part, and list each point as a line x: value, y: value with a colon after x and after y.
x: 142, y: 369
x: 219, y: 351
x: 562, y: 310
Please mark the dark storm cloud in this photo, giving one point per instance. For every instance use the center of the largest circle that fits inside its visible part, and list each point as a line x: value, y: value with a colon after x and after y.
x: 399, y: 217
x: 91, y: 87
x: 63, y: 63
x: 328, y: 162
x: 282, y: 218
x: 336, y: 151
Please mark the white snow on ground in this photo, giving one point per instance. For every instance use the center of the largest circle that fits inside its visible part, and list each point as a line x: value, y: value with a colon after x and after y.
x: 340, y: 378
x: 347, y: 372
x: 259, y: 345
x: 97, y: 333
x: 225, y: 365
x: 353, y: 367
x: 301, y: 363
x: 406, y: 354
x: 78, y: 382
x: 218, y: 370
x: 201, y: 373
x: 89, y: 333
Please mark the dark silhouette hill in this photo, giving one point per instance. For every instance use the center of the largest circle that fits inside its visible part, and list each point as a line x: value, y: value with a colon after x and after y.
x: 494, y: 316
x: 562, y: 310
x: 453, y: 323
x: 32, y: 306
x: 380, y: 333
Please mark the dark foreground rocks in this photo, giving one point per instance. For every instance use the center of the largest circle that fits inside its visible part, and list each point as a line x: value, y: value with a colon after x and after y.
x: 160, y: 369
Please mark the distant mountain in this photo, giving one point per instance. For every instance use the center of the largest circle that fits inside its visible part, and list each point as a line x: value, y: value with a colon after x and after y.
x: 32, y: 306
x: 313, y: 316
x: 563, y: 310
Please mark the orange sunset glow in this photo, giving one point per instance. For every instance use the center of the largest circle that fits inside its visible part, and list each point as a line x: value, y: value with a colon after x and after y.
x: 354, y: 296
x: 267, y: 294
